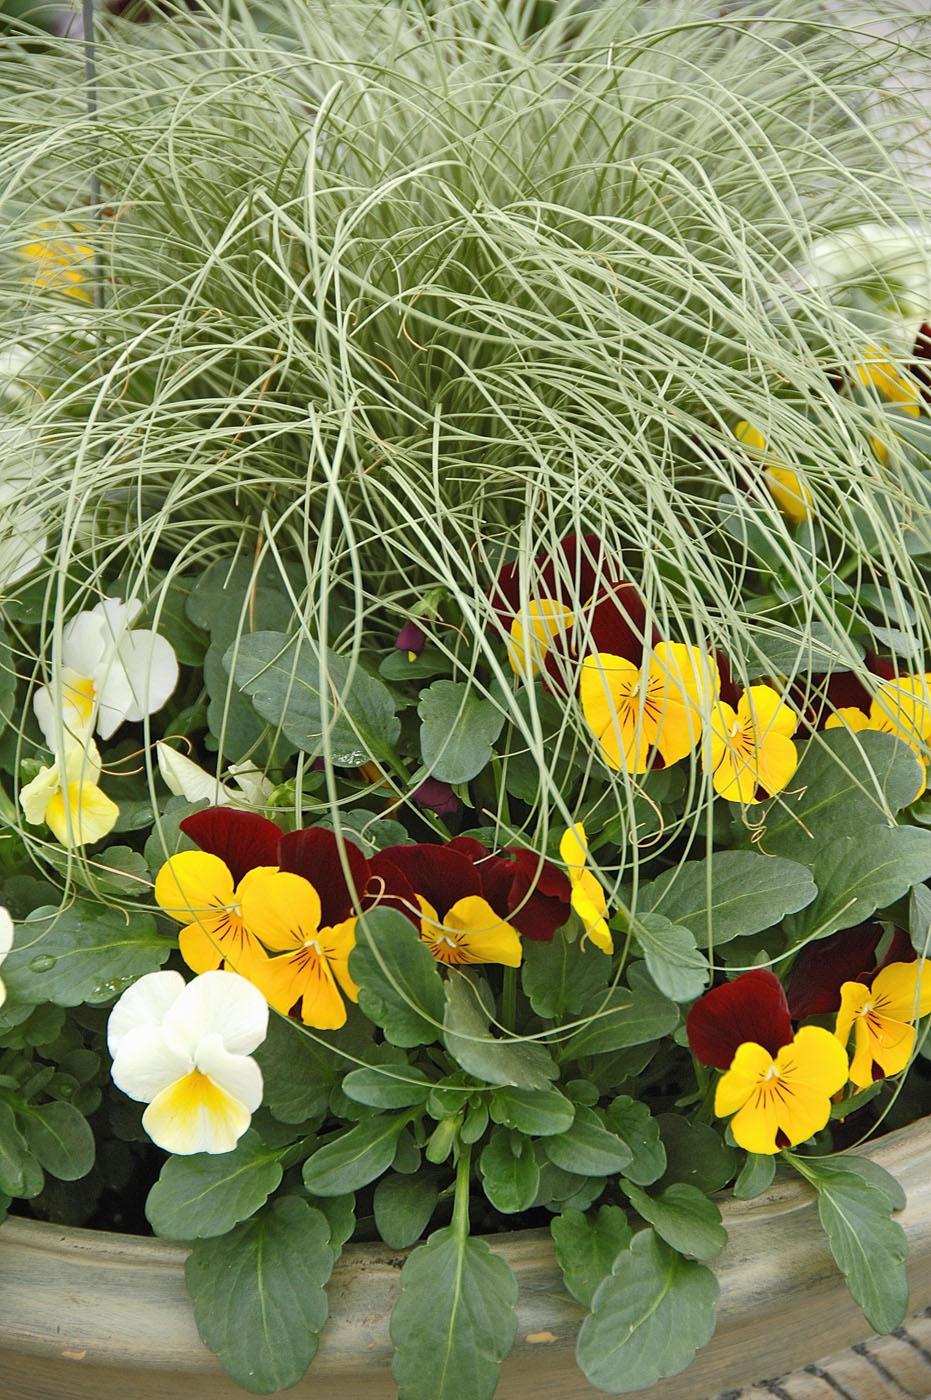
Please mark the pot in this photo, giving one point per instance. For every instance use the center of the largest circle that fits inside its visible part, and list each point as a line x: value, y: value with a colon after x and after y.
x: 93, y: 1316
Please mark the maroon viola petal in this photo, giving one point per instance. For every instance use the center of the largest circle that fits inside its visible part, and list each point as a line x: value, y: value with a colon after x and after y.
x: 569, y: 575
x: 469, y: 847
x: 617, y: 624
x: 901, y: 950
x: 436, y: 797
x: 317, y: 854
x: 242, y: 840
x: 730, y: 692
x: 388, y: 885
x: 442, y: 876
x: 823, y: 967
x: 922, y: 354
x: 411, y: 638
x: 538, y: 896
x: 751, y: 1008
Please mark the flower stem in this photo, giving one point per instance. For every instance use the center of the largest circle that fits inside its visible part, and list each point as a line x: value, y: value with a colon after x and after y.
x: 460, y: 1220
x: 509, y: 999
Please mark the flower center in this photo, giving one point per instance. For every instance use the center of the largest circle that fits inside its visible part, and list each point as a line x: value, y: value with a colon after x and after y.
x: 314, y: 946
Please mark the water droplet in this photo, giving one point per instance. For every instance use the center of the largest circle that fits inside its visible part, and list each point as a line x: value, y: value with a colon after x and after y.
x: 44, y: 963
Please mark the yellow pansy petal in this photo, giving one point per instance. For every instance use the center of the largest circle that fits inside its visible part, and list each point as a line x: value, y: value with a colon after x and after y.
x: 609, y: 688
x: 776, y: 761
x: 755, y: 1126
x: 484, y: 937
x: 860, y: 1072
x: 790, y: 492
x: 678, y: 732
x: 687, y: 672
x: 848, y: 717
x: 195, y: 1115
x: 853, y: 998
x: 573, y: 848
x: 321, y: 1004
x: 731, y: 776
x: 81, y: 814
x: 337, y: 943
x: 192, y: 885
x: 892, y: 1042
x: 199, y: 946
x: 217, y: 939
x: 768, y: 711
x: 749, y: 1066
x: 281, y: 909
x: 878, y: 371
x: 815, y: 1058
x: 749, y: 436
x: 903, y: 990
x: 528, y: 646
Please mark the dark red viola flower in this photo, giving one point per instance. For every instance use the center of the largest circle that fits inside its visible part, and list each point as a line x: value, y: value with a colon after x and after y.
x: 437, y: 797
x: 242, y: 840
x: 532, y: 894
x: 411, y: 639
x: 822, y: 968
x: 578, y: 602
x: 817, y: 697
x: 751, y: 1008
x: 318, y: 854
x: 921, y: 369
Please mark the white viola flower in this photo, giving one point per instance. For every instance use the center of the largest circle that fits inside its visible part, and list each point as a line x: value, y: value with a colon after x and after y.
x: 185, y: 778
x: 6, y: 943
x: 184, y: 1049
x: 885, y: 259
x: 131, y: 671
x: 67, y: 798
x: 23, y: 537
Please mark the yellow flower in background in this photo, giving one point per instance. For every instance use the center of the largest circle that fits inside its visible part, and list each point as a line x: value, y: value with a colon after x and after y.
x: 528, y: 646
x: 901, y: 707
x: 878, y: 371
x: 587, y: 898
x: 633, y: 710
x: 61, y: 264
x: 751, y: 747
x: 779, y: 1101
x: 881, y: 1017
x: 67, y: 798
x: 789, y: 491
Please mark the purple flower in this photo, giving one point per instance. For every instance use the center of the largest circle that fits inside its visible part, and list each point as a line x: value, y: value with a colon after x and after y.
x: 411, y: 639
x: 439, y: 797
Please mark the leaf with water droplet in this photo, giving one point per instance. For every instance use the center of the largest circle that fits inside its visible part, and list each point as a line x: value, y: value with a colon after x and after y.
x: 85, y: 952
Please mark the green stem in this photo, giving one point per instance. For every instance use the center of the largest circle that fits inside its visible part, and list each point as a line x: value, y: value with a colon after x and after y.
x: 460, y: 1220
x: 509, y: 999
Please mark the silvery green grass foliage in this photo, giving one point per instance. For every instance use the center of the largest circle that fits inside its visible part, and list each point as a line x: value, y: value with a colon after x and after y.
x: 383, y: 297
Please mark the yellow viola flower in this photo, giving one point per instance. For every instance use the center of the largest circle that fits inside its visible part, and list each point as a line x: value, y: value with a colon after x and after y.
x: 196, y: 889
x: 901, y: 707
x: 878, y: 371
x: 469, y: 932
x: 310, y: 969
x: 66, y: 797
x: 62, y: 264
x: 751, y: 747
x: 587, y: 898
x: 782, y: 1100
x: 881, y: 1017
x: 633, y: 711
x: 789, y: 491
x: 527, y: 647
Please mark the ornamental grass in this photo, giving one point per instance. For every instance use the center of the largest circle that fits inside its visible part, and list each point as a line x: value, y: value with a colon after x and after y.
x: 466, y: 694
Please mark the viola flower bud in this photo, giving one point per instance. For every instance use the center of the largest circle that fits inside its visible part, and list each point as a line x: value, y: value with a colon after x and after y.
x: 438, y: 797
x: 411, y: 639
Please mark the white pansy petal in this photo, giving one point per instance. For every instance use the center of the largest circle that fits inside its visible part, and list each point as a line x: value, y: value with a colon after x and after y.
x: 185, y: 778
x: 225, y: 1004
x: 143, y: 1004
x: 116, y: 615
x: 195, y: 1115
x: 35, y: 797
x: 6, y: 932
x: 84, y: 644
x: 114, y: 696
x: 238, y: 1075
x: 151, y: 668
x: 146, y: 1065
x: 2, y: 992
x: 71, y: 698
x: 252, y: 782
x: 83, y: 763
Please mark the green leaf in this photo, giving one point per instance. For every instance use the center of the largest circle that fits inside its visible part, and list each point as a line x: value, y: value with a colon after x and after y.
x: 919, y: 920
x: 120, y: 870
x: 259, y: 1294
x: 340, y: 1214
x: 387, y: 1086
x: 198, y: 1197
x: 588, y: 1148
x: 587, y: 1246
x: 13, y: 1153
x: 355, y: 1158
x: 559, y: 978
x: 696, y: 1153
x: 755, y: 1176
x: 648, y: 1318
x: 846, y: 784
x: 525, y: 1064
x: 455, y: 1320
x: 635, y: 1125
x: 87, y: 952
x: 869, y: 1247
x: 403, y: 1207
x: 684, y: 1217
x: 60, y: 1138
x: 286, y: 677
x: 231, y: 597
x: 855, y: 878
x: 510, y: 1177
x: 536, y: 1112
x: 400, y: 987
x: 733, y: 894
x: 619, y: 1018
x: 677, y: 967
x: 458, y: 729
x: 298, y: 1072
